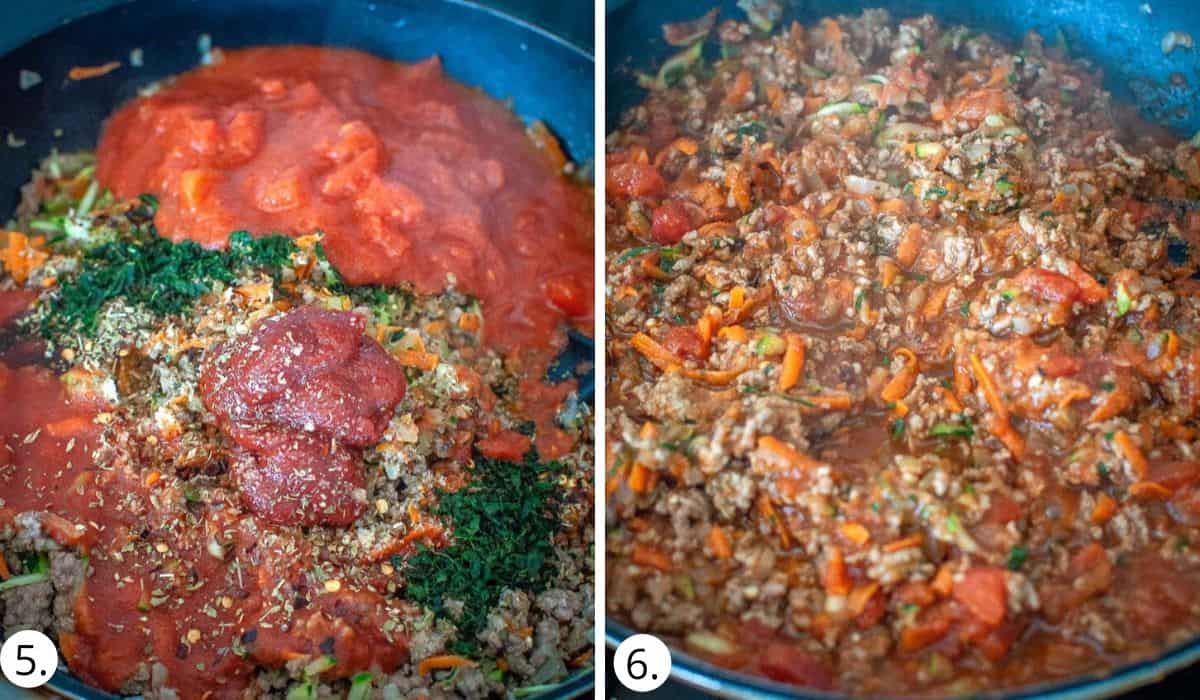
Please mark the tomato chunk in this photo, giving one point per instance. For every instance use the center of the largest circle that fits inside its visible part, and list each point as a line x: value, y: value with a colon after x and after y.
x: 786, y: 662
x: 670, y: 221
x: 983, y: 591
x: 634, y: 180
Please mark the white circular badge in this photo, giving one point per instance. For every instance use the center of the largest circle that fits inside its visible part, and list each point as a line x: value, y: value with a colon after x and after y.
x: 642, y: 663
x: 28, y: 659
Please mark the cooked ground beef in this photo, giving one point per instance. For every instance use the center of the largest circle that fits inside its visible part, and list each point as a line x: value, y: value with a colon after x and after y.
x: 904, y: 353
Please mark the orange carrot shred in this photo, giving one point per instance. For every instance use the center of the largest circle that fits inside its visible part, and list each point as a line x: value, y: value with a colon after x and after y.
x: 904, y: 543
x: 793, y: 362
x: 1132, y: 453
x: 85, y: 72
x: 437, y: 663
x: 719, y: 543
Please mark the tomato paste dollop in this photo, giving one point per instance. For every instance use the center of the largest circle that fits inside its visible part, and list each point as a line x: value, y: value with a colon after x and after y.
x: 412, y: 177
x: 300, y: 396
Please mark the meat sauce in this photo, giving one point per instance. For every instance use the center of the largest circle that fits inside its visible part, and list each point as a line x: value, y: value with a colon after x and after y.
x: 890, y: 412
x: 187, y: 597
x: 412, y: 177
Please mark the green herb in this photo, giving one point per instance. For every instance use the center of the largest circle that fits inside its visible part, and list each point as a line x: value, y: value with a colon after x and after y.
x: 503, y: 524
x: 952, y: 524
x: 755, y: 130
x: 770, y: 344
x: 898, y: 427
x: 965, y: 309
x: 360, y: 686
x: 1107, y: 386
x: 1016, y: 557
x: 964, y: 429
x: 797, y: 399
x: 858, y: 299
x: 842, y: 109
x: 530, y: 690
x: 1102, y: 470
x: 669, y: 251
x: 1004, y: 185
x: 37, y: 570
x: 1045, y: 215
x: 677, y: 66
x: 1124, y: 301
x: 153, y: 273
x: 938, y: 192
x: 303, y: 691
x: 1008, y: 294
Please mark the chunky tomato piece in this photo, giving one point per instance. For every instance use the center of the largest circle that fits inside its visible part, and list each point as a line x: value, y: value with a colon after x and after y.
x: 788, y: 663
x: 1003, y: 510
x: 634, y: 180
x: 566, y: 293
x: 983, y: 592
x: 504, y: 444
x: 685, y: 341
x: 670, y: 221
x: 1048, y: 285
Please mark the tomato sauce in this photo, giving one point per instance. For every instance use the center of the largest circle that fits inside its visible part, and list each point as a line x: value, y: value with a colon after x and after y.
x: 412, y: 177
x: 194, y: 596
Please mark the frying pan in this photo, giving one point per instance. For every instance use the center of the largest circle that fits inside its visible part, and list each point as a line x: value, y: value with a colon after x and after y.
x: 538, y: 57
x: 1122, y: 37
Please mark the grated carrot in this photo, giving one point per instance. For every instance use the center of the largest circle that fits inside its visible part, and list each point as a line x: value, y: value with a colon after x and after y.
x: 469, y: 322
x: 22, y: 255
x: 936, y: 302
x: 5, y: 572
x: 1149, y: 489
x: 438, y: 663
x: 1105, y: 508
x: 719, y: 543
x: 856, y: 533
x: 767, y: 510
x: 427, y: 361
x: 780, y: 451
x: 152, y: 477
x: 650, y: 348
x: 910, y: 245
x: 735, y: 333
x: 651, y: 556
x: 837, y: 579
x: 793, y: 362
x: 952, y: 402
x: 86, y: 72
x: 903, y: 380
x: 1132, y: 453
x: 943, y: 581
x: 860, y: 596
x: 904, y: 543
x: 717, y: 377
x: 639, y: 478
x: 737, y: 297
x: 830, y: 402
x: 988, y: 387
